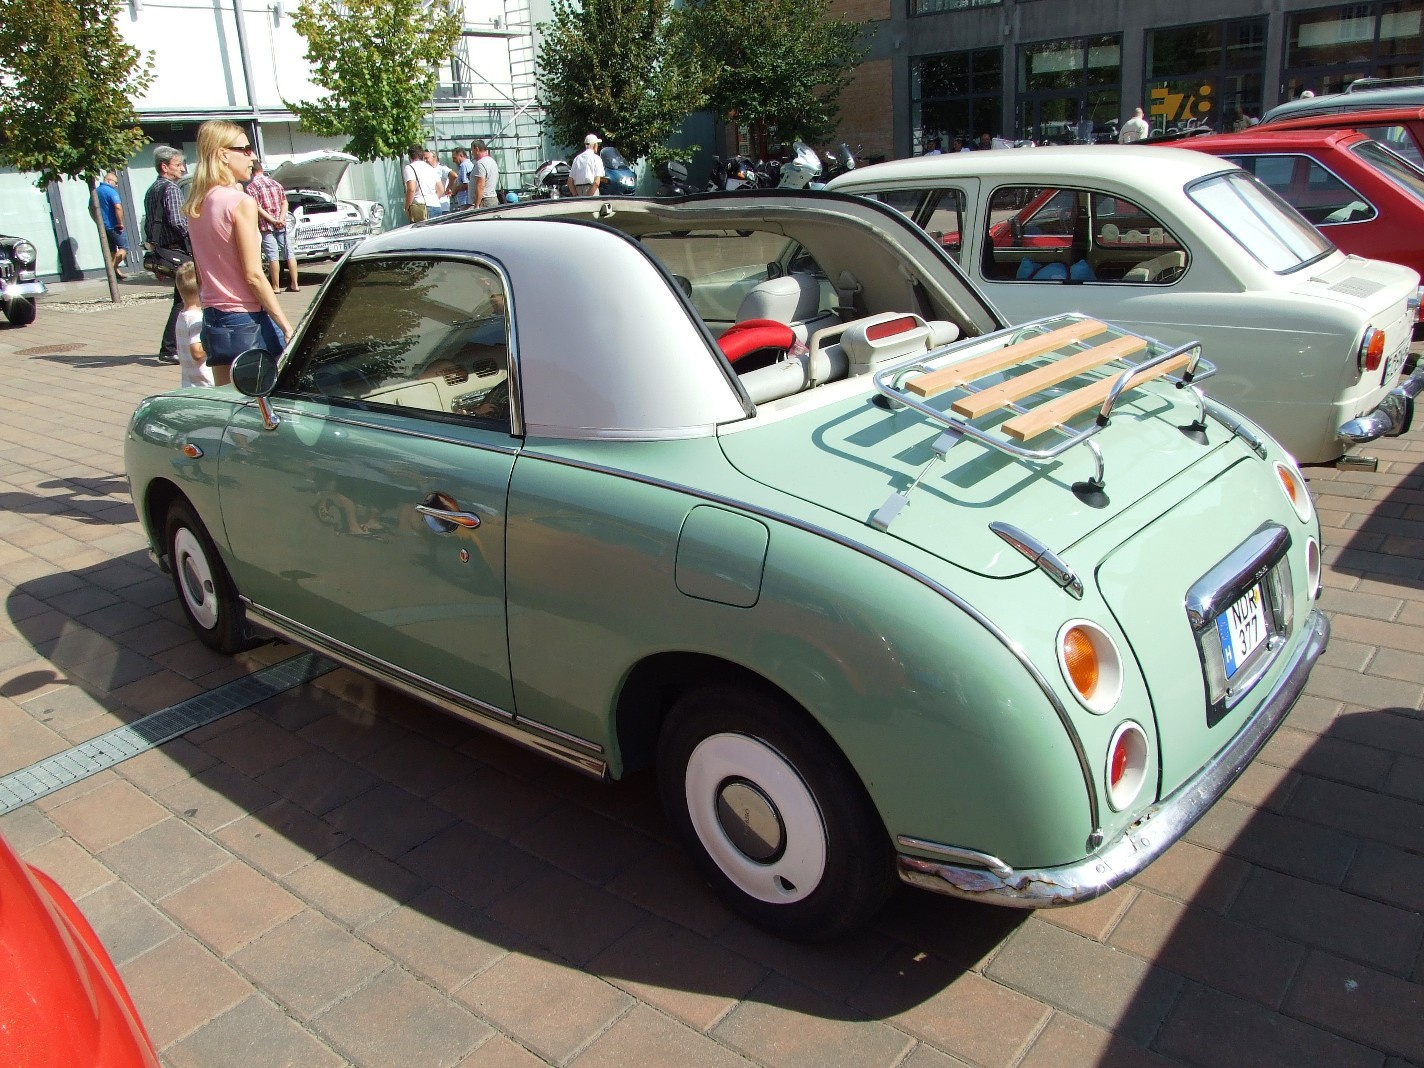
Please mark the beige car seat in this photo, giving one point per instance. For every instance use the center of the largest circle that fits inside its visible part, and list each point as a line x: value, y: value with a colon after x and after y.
x: 1157, y: 268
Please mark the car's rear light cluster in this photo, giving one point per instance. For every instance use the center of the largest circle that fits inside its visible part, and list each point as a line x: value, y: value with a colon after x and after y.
x: 1371, y: 351
x: 1295, y: 490
x: 1127, y: 765
x: 1091, y: 665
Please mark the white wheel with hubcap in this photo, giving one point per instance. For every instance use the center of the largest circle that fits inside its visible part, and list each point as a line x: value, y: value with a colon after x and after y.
x: 756, y: 818
x: 771, y: 811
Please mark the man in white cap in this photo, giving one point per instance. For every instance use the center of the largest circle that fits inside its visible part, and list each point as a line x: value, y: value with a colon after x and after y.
x: 586, y: 171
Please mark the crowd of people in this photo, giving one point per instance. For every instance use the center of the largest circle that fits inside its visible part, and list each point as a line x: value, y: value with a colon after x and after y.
x: 433, y: 187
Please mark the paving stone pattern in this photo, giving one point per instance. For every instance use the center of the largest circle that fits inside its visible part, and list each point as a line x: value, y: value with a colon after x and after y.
x: 343, y: 876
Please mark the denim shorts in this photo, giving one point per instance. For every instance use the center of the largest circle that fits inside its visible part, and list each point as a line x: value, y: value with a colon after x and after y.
x: 274, y: 245
x: 228, y: 334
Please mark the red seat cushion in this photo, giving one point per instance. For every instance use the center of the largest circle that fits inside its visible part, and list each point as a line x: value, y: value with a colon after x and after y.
x: 753, y: 334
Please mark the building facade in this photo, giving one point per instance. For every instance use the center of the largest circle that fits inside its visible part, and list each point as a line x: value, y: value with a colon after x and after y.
x: 242, y: 60
x: 1070, y: 71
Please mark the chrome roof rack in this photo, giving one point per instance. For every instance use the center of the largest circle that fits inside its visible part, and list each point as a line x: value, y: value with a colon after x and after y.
x: 989, y: 376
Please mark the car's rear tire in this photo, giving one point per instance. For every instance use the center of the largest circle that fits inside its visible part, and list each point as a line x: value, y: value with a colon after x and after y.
x: 773, y: 813
x: 20, y: 311
x: 204, y: 588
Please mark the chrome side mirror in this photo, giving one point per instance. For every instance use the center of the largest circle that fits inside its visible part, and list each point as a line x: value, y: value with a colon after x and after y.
x: 254, y: 374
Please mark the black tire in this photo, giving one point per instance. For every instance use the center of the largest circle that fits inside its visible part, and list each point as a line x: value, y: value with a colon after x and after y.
x: 200, y: 579
x: 21, y: 311
x: 811, y: 859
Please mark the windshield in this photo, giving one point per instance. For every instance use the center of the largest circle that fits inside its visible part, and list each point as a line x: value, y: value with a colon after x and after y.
x: 1394, y: 167
x: 1259, y: 221
x: 613, y: 160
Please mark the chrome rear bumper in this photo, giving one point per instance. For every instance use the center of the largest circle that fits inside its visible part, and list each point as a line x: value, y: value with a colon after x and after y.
x: 1391, y: 418
x: 995, y: 883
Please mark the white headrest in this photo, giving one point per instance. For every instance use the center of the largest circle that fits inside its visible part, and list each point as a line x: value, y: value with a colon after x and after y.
x: 786, y: 299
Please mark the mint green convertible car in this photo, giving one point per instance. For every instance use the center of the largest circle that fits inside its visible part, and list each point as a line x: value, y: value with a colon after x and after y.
x: 755, y: 489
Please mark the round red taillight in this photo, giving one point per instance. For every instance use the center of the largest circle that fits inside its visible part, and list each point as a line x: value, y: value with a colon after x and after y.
x: 1127, y: 765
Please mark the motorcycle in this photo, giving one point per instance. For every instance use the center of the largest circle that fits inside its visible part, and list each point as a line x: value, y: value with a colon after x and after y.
x: 802, y: 169
x: 844, y: 161
x: 618, y: 177
x: 551, y: 181
x: 672, y: 179
x: 736, y: 173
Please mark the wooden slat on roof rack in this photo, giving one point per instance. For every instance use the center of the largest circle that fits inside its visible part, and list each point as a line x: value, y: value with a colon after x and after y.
x: 933, y: 383
x: 1046, y: 416
x: 1026, y: 385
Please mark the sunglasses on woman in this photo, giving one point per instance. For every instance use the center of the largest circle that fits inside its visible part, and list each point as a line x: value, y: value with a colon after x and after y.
x: 246, y: 150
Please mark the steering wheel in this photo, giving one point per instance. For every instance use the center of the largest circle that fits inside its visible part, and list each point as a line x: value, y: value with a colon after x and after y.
x: 750, y: 335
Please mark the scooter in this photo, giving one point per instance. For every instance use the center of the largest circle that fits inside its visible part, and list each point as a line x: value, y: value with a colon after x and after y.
x: 672, y: 179
x: 618, y: 178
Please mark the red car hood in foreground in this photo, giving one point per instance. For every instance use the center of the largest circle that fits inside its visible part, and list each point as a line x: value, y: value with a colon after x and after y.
x: 62, y: 1003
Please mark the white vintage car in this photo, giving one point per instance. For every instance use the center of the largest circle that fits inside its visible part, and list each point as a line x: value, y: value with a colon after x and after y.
x: 319, y: 225
x: 1310, y: 343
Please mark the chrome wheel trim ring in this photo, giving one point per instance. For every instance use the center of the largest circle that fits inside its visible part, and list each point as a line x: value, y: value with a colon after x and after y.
x: 798, y: 869
x: 195, y: 578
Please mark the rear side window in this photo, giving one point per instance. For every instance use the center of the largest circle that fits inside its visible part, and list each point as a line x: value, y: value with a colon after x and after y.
x: 1402, y: 174
x: 1397, y: 138
x: 1037, y: 234
x: 939, y: 211
x: 1258, y: 220
x: 1309, y: 187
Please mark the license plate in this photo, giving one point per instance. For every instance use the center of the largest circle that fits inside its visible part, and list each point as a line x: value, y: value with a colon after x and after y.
x: 337, y: 248
x: 1242, y: 629
x: 1395, y: 362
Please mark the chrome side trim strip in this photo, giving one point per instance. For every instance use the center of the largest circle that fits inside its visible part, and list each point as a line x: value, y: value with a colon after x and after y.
x: 575, y: 752
x: 909, y: 572
x: 288, y: 408
x: 1140, y: 844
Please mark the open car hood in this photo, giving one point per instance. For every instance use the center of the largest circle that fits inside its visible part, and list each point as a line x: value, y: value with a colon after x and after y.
x: 319, y: 171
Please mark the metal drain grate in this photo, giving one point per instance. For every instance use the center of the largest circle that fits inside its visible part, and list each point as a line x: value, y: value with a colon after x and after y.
x: 48, y: 350
x: 98, y: 754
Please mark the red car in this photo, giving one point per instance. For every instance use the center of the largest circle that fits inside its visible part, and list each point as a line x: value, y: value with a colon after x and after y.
x: 1364, y: 197
x: 1400, y: 129
x: 62, y: 1003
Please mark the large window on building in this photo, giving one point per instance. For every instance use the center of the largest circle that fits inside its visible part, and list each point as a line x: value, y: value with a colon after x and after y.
x: 1209, y: 74
x: 1070, y: 90
x: 956, y: 94
x: 934, y: 7
x: 1328, y: 48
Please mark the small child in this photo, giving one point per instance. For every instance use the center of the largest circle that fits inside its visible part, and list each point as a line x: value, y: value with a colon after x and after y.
x: 187, y: 330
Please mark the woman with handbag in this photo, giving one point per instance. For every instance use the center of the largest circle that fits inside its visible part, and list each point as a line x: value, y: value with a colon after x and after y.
x: 240, y: 311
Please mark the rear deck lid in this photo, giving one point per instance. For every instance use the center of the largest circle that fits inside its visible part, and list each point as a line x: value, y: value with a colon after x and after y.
x: 853, y: 454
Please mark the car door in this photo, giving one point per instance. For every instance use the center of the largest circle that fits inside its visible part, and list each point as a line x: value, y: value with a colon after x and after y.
x: 373, y: 515
x: 1045, y: 249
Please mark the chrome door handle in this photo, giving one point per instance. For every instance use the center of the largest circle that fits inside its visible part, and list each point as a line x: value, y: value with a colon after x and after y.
x: 468, y: 520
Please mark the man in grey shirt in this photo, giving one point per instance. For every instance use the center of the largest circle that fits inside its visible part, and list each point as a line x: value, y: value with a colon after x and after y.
x: 484, y: 178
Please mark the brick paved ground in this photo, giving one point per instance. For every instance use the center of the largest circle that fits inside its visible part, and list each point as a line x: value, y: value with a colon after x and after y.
x: 340, y: 875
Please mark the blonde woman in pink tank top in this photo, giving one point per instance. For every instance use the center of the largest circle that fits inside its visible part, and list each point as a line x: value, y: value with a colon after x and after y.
x: 240, y: 311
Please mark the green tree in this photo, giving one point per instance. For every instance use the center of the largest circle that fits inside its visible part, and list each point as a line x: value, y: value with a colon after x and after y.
x: 609, y: 66
x: 67, y: 79
x: 379, y: 60
x: 780, y: 63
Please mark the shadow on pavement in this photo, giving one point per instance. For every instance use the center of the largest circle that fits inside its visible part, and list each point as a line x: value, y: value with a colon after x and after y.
x: 387, y: 800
